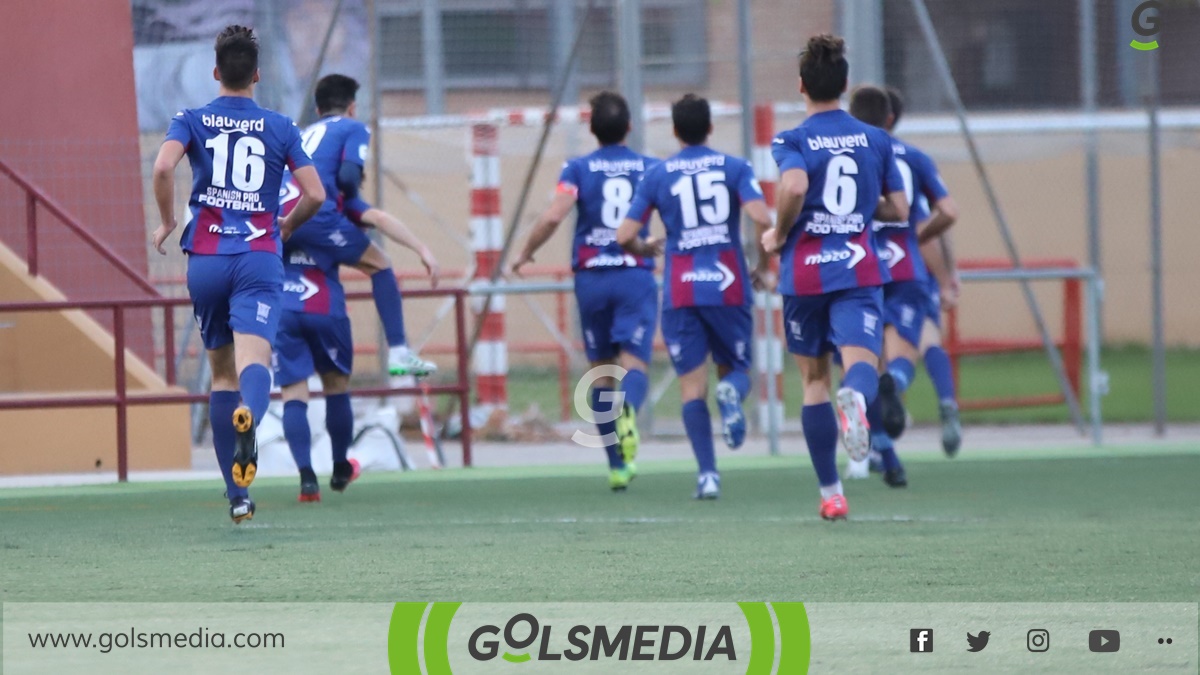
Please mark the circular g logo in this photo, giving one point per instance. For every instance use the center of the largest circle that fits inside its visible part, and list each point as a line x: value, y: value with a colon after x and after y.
x: 1145, y: 22
x: 583, y: 405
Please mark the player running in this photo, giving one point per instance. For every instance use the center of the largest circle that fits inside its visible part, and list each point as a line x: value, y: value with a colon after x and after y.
x: 238, y: 153
x: 906, y: 296
x: 615, y: 291
x: 837, y: 174
x: 314, y: 337
x: 339, y: 145
x: 699, y: 194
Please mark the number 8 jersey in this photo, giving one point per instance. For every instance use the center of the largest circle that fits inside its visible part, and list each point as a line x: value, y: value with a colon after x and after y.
x: 850, y: 165
x: 603, y: 184
x: 238, y: 152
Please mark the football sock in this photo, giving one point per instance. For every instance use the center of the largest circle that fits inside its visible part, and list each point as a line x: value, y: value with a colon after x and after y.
x: 875, y: 414
x: 297, y: 433
x: 882, y: 443
x: 864, y: 379
x: 821, y: 433
x: 698, y: 423
x: 902, y: 371
x: 602, y: 408
x: 221, y: 405
x: 255, y: 382
x: 740, y: 380
x: 386, y: 292
x: 937, y: 364
x: 635, y: 385
x: 339, y: 422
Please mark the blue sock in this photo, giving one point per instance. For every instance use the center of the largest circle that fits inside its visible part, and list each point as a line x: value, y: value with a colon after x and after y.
x: 821, y: 433
x: 339, y: 422
x: 864, y: 379
x: 937, y: 364
x: 602, y: 408
x: 740, y: 380
x: 881, y: 443
x: 386, y: 292
x: 221, y: 405
x: 297, y: 433
x: 635, y: 385
x: 255, y: 382
x: 902, y: 371
x: 698, y: 423
x: 875, y: 414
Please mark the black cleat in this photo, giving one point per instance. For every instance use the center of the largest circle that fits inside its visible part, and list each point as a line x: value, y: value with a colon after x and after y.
x: 241, y: 509
x: 245, y: 455
x: 951, y: 429
x: 344, y: 473
x: 896, y: 477
x: 891, y: 408
x: 310, y: 489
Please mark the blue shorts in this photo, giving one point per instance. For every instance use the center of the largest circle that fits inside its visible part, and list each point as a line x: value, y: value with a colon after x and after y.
x: 819, y: 324
x: 934, y: 306
x: 905, y: 306
x: 692, y: 332
x: 240, y: 293
x: 312, y: 343
x: 618, y: 310
x: 333, y: 235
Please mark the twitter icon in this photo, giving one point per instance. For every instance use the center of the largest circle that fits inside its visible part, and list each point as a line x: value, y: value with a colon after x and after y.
x: 976, y: 643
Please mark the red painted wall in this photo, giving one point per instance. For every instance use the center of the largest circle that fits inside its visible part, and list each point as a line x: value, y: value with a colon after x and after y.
x: 69, y: 122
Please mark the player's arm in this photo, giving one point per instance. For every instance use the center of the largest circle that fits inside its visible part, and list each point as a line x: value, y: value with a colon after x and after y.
x: 312, y: 195
x: 893, y: 205
x: 755, y: 205
x: 938, y: 254
x: 547, y: 223
x: 169, y: 156
x: 943, y: 215
x: 393, y: 228
x: 789, y: 201
x: 629, y: 234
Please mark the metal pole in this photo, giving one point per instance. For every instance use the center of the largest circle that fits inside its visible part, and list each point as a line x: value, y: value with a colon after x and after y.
x: 861, y: 22
x: 431, y: 52
x: 307, y: 109
x: 943, y: 67
x: 375, y: 56
x: 629, y: 66
x: 564, y: 25
x: 746, y: 76
x: 1089, y: 86
x: 1159, y: 356
x: 1097, y: 379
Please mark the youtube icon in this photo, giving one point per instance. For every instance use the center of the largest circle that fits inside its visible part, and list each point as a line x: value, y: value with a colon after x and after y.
x: 1104, y: 641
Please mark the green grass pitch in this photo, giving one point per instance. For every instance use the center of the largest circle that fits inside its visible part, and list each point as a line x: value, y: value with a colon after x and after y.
x: 1112, y: 525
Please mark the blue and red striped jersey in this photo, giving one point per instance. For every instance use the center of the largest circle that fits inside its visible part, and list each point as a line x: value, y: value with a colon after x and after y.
x: 699, y: 194
x: 850, y: 164
x: 897, y: 242
x: 311, y: 284
x: 603, y: 184
x: 238, y: 152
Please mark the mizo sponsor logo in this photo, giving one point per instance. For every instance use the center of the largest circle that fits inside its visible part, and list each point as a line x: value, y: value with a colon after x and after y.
x: 620, y: 643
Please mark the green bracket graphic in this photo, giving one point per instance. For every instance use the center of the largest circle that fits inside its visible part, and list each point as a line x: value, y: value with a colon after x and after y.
x: 402, y: 637
x: 795, y: 640
x: 1144, y: 46
x: 762, y: 637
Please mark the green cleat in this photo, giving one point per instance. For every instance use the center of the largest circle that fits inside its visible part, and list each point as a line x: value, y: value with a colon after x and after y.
x: 618, y: 479
x: 628, y: 438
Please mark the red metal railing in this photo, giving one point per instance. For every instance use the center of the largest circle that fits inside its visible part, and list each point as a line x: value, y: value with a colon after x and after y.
x: 35, y: 195
x: 121, y: 399
x: 1071, y: 342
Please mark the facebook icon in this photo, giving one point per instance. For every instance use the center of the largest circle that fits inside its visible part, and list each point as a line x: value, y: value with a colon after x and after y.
x: 920, y: 640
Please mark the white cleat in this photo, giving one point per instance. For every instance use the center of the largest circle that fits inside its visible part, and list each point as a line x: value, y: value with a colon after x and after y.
x: 852, y: 420
x: 402, y: 361
x: 708, y: 486
x: 858, y: 470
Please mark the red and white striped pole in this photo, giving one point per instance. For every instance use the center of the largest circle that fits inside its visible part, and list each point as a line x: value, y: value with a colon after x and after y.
x: 490, y: 360
x: 770, y: 361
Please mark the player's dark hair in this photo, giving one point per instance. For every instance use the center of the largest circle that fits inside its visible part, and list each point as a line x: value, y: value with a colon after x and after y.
x: 237, y: 56
x: 871, y: 105
x: 823, y: 67
x: 692, y: 118
x: 610, y: 118
x: 897, y: 103
x: 335, y: 92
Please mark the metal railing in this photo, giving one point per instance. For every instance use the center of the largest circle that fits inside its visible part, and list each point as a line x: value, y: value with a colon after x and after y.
x: 121, y: 399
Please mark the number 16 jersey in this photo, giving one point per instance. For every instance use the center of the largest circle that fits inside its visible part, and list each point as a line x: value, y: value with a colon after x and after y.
x: 850, y: 164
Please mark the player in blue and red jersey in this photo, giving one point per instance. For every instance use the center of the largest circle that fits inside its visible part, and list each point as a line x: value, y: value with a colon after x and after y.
x: 314, y: 337
x: 699, y: 194
x: 238, y: 153
x: 836, y: 175
x: 906, y: 296
x: 615, y: 291
x: 339, y: 145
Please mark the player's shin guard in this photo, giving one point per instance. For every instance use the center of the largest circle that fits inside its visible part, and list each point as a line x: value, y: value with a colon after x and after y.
x: 386, y: 293
x: 864, y: 379
x: 698, y: 423
x: 339, y: 422
x: 602, y: 408
x: 635, y: 385
x: 937, y: 364
x: 221, y: 405
x: 297, y: 433
x: 255, y: 382
x: 821, y: 433
x: 902, y: 371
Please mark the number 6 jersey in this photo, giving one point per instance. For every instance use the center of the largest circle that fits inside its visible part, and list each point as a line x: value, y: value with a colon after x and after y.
x: 238, y: 152
x: 850, y: 165
x: 603, y: 183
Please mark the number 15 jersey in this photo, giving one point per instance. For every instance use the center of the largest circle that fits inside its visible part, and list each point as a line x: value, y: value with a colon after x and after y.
x: 850, y: 164
x: 238, y: 152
